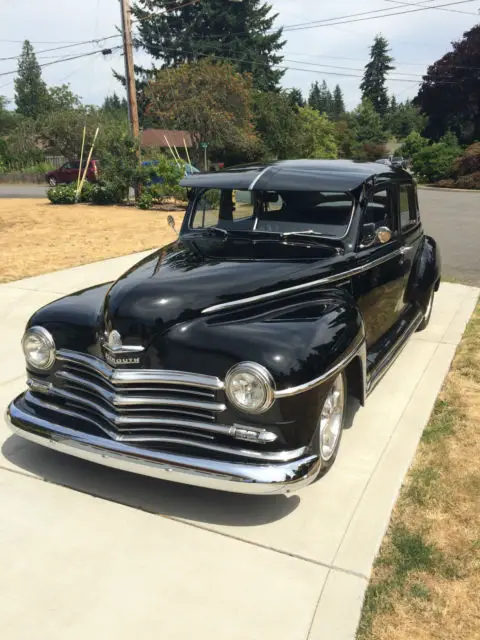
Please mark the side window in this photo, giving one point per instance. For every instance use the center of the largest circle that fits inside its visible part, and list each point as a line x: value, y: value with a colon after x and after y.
x: 408, y: 207
x: 74, y: 165
x: 242, y: 205
x: 379, y: 210
x: 207, y: 212
x: 67, y: 165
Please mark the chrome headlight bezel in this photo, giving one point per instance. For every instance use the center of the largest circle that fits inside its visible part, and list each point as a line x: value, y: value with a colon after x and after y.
x: 46, y: 338
x: 262, y: 375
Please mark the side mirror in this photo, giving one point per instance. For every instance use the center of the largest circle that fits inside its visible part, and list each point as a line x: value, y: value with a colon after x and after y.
x: 384, y: 234
x: 171, y: 223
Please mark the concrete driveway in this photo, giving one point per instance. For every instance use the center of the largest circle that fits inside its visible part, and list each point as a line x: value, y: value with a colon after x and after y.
x: 90, y: 552
x: 23, y: 190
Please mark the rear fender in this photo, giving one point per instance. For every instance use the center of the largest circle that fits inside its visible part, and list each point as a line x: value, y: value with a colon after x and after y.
x: 426, y: 273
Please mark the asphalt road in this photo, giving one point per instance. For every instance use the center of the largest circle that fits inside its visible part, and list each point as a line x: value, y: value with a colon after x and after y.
x: 23, y: 190
x: 451, y: 217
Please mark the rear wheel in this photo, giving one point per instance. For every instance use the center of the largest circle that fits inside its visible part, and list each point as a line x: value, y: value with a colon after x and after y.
x: 331, y: 422
x: 428, y: 311
x: 52, y: 181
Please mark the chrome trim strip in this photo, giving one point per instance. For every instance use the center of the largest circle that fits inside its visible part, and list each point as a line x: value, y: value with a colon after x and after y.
x: 292, y: 391
x: 140, y: 376
x: 306, y: 285
x: 122, y: 400
x: 255, y: 180
x: 213, y: 474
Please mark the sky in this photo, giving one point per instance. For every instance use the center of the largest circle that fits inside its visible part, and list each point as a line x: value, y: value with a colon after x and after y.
x: 416, y: 39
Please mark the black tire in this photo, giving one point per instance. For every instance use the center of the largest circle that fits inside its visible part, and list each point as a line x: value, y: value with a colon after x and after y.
x: 428, y: 311
x: 52, y: 182
x: 327, y: 462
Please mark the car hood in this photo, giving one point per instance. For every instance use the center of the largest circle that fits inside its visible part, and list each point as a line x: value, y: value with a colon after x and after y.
x: 176, y: 283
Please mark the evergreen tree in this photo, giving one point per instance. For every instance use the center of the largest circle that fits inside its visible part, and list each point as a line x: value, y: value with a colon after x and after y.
x: 326, y: 99
x: 113, y: 104
x: 296, y: 98
x: 241, y: 32
x: 31, y: 95
x: 315, y: 97
x: 338, y: 108
x: 373, y: 83
x: 368, y: 124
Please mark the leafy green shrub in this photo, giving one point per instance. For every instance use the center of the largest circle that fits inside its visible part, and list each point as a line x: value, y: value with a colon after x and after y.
x: 413, y: 144
x: 435, y: 162
x: 86, y: 194
x: 104, y: 193
x: 169, y: 173
x: 39, y: 167
x: 63, y: 194
x: 145, y: 201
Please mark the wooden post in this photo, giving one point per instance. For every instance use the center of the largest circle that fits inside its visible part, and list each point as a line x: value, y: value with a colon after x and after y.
x: 79, y: 191
x: 81, y: 159
x: 129, y: 70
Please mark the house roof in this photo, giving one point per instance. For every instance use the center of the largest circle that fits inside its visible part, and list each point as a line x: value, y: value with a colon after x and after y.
x: 156, y: 138
x: 297, y: 175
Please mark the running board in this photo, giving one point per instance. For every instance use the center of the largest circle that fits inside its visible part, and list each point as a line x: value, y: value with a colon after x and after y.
x: 390, y: 357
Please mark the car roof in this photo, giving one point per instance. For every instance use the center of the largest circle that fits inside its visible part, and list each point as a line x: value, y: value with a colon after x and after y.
x: 298, y: 175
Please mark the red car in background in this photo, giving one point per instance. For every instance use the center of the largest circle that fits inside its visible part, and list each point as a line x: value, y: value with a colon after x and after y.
x: 69, y: 173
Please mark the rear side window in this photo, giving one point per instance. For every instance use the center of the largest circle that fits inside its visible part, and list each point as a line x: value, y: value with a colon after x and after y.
x: 379, y: 210
x: 408, y: 207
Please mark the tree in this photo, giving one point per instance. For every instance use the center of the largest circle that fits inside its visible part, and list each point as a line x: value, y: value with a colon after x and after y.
x: 450, y: 92
x: 404, y: 118
x: 315, y: 97
x: 338, y: 103
x: 113, y: 105
x: 296, y: 98
x: 370, y: 135
x: 31, y: 95
x: 412, y: 144
x: 241, y: 32
x: 210, y: 100
x: 435, y: 162
x: 373, y: 83
x: 276, y: 122
x: 61, y: 98
x: 320, y: 98
x: 317, y: 135
x: 7, y: 117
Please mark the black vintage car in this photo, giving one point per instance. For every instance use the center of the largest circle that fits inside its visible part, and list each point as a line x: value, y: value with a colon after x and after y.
x: 225, y: 358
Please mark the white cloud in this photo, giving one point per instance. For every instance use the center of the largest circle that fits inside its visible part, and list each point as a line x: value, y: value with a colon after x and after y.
x: 417, y: 39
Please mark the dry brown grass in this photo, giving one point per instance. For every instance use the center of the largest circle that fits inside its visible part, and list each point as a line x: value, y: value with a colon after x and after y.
x: 37, y: 237
x: 426, y: 580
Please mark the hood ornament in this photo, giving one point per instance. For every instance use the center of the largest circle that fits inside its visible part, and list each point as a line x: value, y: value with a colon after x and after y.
x: 118, y: 354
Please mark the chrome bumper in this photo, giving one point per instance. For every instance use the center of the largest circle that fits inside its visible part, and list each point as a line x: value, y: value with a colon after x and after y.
x: 254, y: 478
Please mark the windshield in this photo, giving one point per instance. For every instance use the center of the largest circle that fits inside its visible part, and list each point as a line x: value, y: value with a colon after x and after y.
x: 325, y: 213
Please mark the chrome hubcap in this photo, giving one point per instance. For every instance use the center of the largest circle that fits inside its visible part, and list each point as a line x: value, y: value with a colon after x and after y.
x: 331, y: 419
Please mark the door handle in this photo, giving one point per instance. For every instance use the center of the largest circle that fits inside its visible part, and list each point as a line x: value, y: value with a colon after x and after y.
x: 405, y: 249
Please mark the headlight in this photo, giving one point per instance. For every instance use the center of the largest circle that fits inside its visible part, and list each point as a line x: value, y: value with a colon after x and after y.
x: 250, y: 387
x: 39, y: 348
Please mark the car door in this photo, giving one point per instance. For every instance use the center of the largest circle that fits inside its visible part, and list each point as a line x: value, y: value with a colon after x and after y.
x: 410, y: 227
x: 379, y: 288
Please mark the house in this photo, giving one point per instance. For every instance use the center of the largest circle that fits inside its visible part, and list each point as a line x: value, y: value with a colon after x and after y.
x: 155, y: 139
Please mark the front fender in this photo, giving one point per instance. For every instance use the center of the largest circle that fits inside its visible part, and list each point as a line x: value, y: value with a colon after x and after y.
x: 297, y: 340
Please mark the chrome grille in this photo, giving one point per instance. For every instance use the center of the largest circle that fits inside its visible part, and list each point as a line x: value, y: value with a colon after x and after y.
x: 135, y: 404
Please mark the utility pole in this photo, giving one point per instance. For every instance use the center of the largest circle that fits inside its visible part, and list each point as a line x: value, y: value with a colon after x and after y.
x: 129, y: 71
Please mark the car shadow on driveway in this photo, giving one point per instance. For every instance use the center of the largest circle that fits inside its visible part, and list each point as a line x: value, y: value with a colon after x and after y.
x: 149, y: 494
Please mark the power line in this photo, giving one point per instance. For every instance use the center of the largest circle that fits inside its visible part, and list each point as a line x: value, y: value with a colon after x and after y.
x: 83, y: 55
x: 410, y: 4
x: 77, y: 44
x: 329, y: 22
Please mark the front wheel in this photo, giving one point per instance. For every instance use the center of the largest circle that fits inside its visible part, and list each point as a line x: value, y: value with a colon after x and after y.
x: 428, y: 311
x: 52, y: 182
x: 331, y: 422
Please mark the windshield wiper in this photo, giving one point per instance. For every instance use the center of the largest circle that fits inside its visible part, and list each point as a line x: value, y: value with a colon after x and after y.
x: 307, y: 232
x: 215, y: 229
